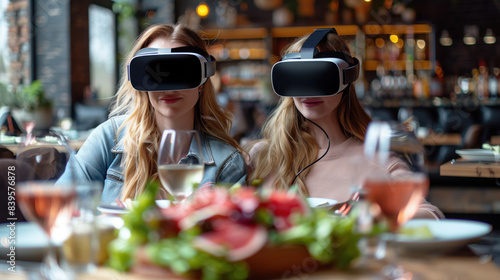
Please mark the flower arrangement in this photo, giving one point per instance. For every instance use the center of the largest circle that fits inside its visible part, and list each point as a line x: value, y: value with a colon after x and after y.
x: 232, y: 234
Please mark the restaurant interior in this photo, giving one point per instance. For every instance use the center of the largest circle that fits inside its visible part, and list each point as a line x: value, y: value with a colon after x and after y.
x: 433, y: 63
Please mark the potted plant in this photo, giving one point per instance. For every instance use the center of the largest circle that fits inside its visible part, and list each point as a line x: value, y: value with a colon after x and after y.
x: 7, y: 98
x: 33, y: 107
x: 8, y: 101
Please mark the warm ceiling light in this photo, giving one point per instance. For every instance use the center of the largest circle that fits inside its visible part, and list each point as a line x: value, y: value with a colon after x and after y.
x: 394, y: 38
x: 203, y: 10
x: 489, y: 37
x: 469, y: 40
x: 445, y: 38
x: 471, y: 32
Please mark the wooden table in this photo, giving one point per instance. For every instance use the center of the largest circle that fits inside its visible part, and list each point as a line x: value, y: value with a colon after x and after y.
x: 429, y: 268
x: 440, y: 139
x: 75, y: 144
x: 495, y: 140
x: 462, y: 168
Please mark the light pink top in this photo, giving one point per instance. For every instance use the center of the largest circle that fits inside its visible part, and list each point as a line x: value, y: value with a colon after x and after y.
x: 335, y: 175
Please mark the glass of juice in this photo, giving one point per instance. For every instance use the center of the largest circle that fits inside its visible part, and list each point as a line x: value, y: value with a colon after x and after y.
x: 41, y: 198
x: 396, y: 181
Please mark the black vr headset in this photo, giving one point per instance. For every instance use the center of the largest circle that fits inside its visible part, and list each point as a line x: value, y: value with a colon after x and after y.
x: 153, y: 69
x: 311, y: 73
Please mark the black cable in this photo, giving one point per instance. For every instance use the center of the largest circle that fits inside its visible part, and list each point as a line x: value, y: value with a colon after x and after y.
x: 328, y: 148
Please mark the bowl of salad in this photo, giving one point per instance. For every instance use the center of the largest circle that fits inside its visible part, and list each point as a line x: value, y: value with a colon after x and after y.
x: 238, y: 233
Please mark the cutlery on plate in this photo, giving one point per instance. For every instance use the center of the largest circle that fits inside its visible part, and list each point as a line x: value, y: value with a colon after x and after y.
x: 342, y: 208
x: 322, y: 204
x: 120, y: 203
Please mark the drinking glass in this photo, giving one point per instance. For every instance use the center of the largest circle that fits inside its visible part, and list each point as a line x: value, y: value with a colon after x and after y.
x: 81, y: 249
x: 398, y: 194
x: 42, y: 200
x: 180, y: 162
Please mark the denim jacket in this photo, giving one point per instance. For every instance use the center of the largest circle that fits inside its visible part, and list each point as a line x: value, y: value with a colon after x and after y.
x: 99, y: 159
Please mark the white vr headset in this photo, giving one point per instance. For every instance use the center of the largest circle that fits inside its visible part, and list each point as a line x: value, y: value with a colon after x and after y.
x: 311, y: 73
x: 153, y: 69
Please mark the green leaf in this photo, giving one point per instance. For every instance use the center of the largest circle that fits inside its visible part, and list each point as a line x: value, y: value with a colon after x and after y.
x: 121, y: 254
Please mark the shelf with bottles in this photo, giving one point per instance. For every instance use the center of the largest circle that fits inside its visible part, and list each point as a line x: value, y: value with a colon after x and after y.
x: 237, y: 44
x: 282, y: 36
x: 242, y: 56
x: 239, y: 50
x: 244, y: 80
x: 245, y: 55
x: 399, y: 47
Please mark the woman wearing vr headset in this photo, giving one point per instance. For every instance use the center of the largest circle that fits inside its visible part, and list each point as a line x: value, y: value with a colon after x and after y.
x: 122, y: 152
x: 294, y: 135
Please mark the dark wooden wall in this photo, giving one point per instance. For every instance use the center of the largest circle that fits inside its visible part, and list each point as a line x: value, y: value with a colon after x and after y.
x: 51, y: 29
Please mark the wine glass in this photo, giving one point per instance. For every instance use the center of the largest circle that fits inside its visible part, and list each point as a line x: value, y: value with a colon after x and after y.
x: 397, y: 181
x: 180, y: 162
x: 42, y: 199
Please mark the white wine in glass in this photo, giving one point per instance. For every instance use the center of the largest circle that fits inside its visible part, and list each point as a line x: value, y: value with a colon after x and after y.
x: 180, y: 162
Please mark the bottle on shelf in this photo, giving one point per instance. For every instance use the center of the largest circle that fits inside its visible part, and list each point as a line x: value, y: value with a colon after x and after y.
x: 493, y: 83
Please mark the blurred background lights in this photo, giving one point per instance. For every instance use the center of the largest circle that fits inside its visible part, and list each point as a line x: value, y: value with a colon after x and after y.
x: 489, y: 37
x: 420, y: 44
x: 394, y: 38
x: 400, y: 44
x: 468, y: 40
x: 203, y: 10
x: 445, y: 38
x: 471, y: 32
x: 379, y: 42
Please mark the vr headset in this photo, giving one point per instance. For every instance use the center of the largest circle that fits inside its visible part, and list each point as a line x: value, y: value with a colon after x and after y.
x: 153, y: 69
x: 311, y: 73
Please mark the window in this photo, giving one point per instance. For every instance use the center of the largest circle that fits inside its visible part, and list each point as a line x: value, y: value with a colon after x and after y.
x: 102, y: 48
x: 4, y: 50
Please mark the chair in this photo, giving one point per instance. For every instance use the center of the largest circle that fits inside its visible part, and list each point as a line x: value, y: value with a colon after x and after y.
x: 6, y: 153
x: 455, y: 120
x: 46, y: 162
x: 89, y: 116
x: 383, y: 113
x: 473, y: 137
x: 14, y: 167
x: 490, y: 117
x: 426, y: 116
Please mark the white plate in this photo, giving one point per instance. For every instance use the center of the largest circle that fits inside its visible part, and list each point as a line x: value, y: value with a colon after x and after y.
x: 318, y: 202
x: 449, y: 234
x: 163, y: 203
x: 476, y: 154
x: 30, y: 241
x: 113, y: 209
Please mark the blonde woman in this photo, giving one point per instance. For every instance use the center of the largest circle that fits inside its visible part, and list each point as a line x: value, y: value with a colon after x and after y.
x: 294, y: 138
x: 122, y: 152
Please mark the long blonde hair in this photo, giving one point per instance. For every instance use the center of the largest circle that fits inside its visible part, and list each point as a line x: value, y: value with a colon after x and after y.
x: 141, y: 140
x: 287, y: 144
